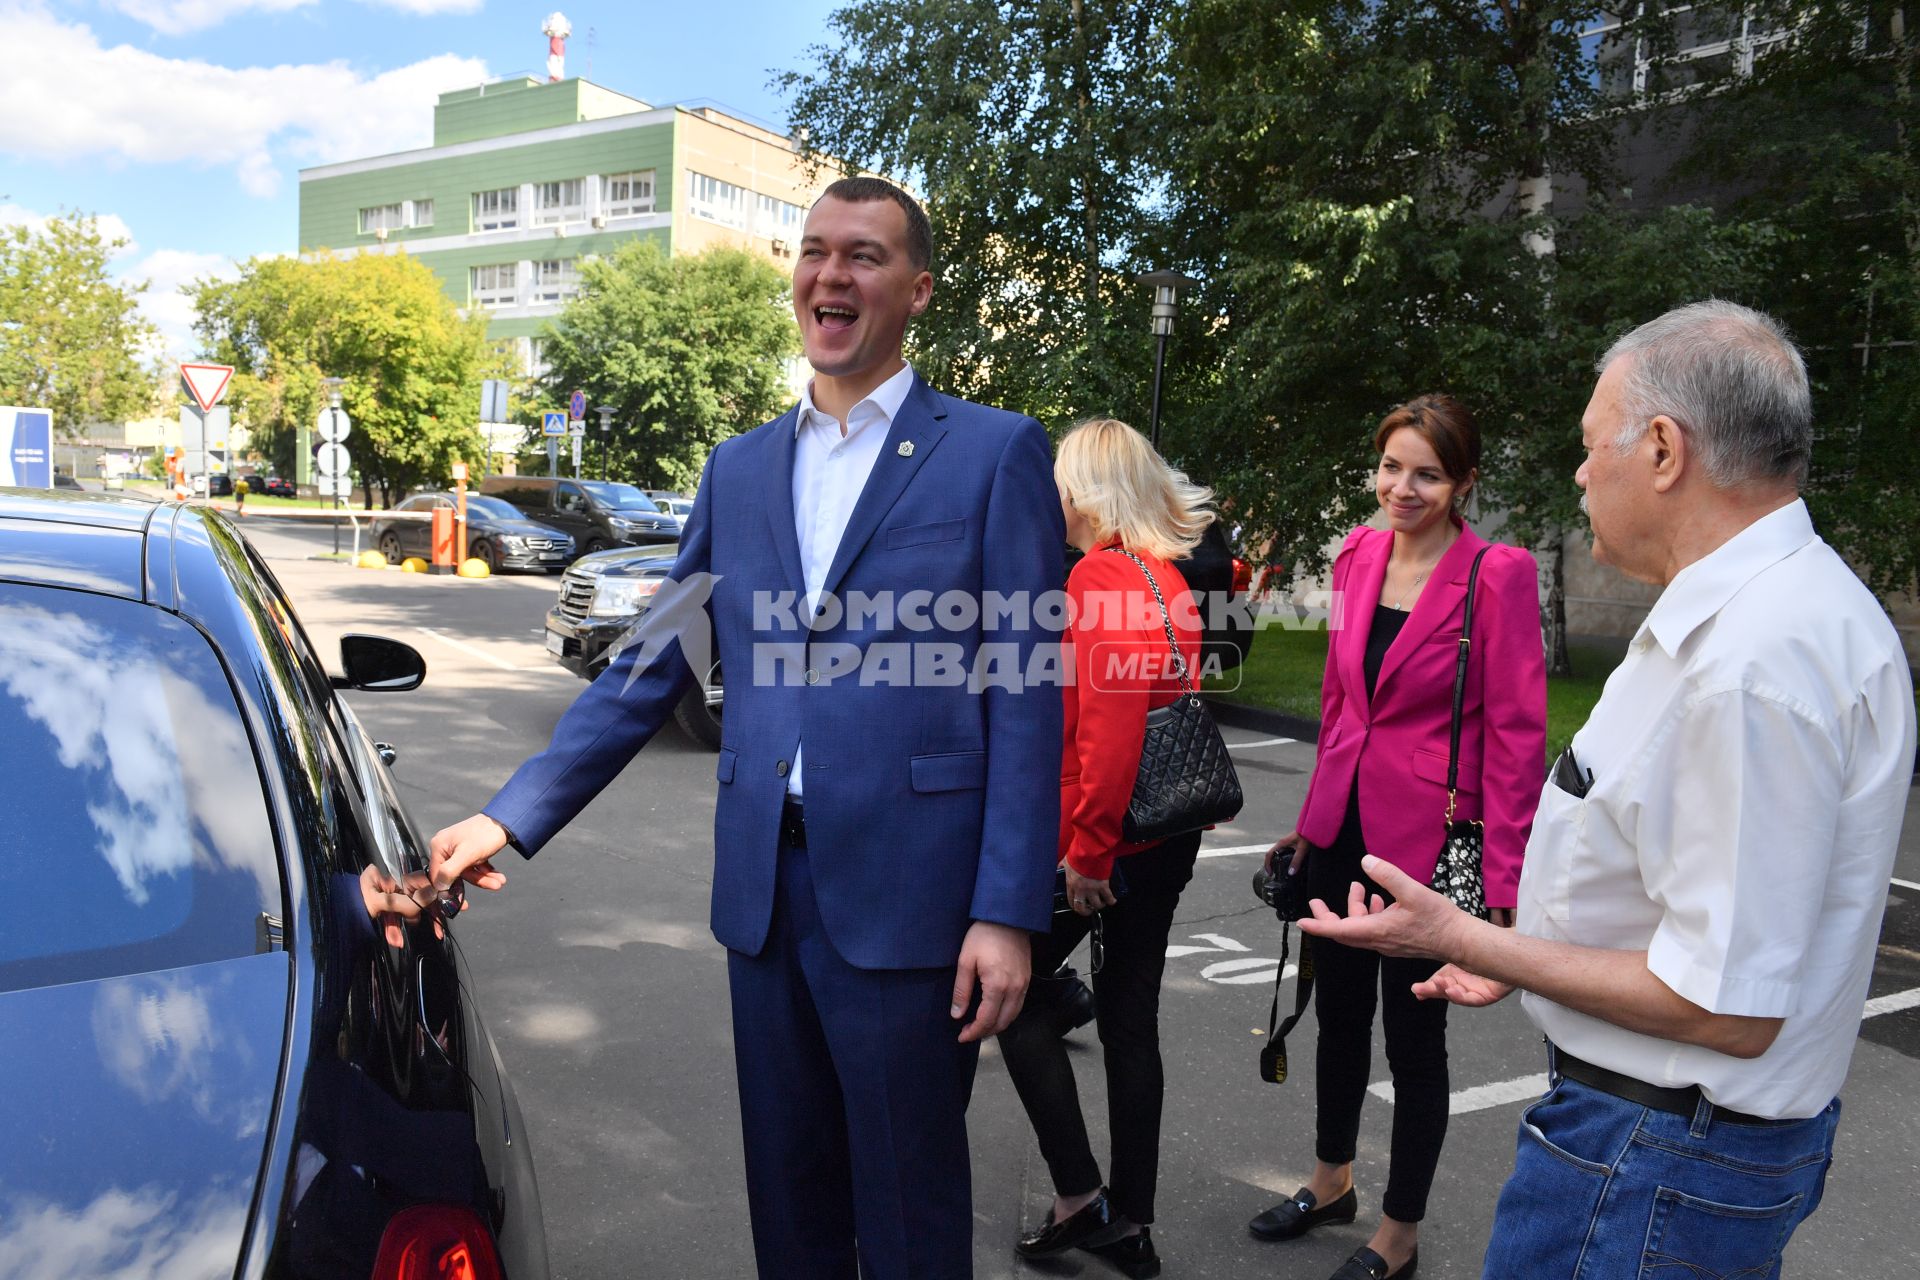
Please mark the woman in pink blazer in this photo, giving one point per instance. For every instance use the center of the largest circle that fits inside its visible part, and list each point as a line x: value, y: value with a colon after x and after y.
x: 1380, y: 786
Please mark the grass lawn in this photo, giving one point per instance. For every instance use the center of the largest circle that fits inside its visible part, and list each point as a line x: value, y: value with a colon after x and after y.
x: 1286, y: 665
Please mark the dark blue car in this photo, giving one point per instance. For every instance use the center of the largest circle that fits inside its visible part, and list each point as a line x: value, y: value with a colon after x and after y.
x: 215, y: 1063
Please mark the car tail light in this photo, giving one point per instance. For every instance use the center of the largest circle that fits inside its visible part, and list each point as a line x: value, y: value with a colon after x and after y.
x: 437, y: 1242
x: 1242, y: 575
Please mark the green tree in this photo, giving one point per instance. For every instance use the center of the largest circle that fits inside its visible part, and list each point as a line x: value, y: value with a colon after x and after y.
x: 412, y: 362
x: 70, y: 337
x: 687, y: 350
x: 1818, y: 146
x: 1372, y: 188
x: 1032, y: 130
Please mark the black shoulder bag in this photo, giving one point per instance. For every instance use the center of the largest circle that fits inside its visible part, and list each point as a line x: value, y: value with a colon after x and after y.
x: 1186, y: 779
x: 1458, y: 876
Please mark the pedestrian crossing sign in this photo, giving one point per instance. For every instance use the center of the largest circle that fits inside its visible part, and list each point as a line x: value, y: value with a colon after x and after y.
x: 553, y: 422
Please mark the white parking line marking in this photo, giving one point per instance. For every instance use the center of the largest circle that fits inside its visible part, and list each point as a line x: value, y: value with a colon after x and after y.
x: 1263, y: 742
x: 1892, y: 1002
x: 1906, y: 884
x: 1481, y: 1097
x: 1221, y: 941
x: 470, y: 651
x: 1234, y: 851
x: 1245, y: 972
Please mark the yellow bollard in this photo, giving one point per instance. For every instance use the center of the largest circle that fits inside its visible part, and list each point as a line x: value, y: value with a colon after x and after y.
x: 413, y: 564
x: 474, y: 568
x: 371, y: 560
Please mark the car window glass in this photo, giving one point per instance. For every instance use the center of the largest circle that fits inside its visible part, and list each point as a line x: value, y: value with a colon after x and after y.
x: 491, y: 507
x: 612, y: 493
x: 570, y: 499
x: 135, y: 834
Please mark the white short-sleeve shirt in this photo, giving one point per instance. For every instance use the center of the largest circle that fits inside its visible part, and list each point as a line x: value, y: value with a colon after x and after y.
x: 1750, y: 759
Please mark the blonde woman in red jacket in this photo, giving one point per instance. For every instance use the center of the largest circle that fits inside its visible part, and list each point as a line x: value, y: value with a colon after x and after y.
x: 1380, y: 786
x: 1121, y: 501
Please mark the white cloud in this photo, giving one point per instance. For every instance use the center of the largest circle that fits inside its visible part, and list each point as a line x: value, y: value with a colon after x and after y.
x: 171, y: 311
x: 112, y: 227
x: 177, y: 17
x: 74, y: 98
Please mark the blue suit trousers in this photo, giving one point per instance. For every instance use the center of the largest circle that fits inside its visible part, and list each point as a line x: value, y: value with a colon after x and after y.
x: 853, y: 1098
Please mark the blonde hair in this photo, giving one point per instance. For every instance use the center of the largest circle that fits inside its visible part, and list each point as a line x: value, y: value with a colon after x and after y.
x: 1125, y: 488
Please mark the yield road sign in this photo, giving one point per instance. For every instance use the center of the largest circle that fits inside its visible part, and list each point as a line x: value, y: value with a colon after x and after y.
x: 577, y: 405
x: 553, y: 423
x: 206, y: 383
x: 333, y: 460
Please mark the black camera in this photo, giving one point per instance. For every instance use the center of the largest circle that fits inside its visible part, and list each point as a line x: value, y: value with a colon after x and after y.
x: 1286, y: 894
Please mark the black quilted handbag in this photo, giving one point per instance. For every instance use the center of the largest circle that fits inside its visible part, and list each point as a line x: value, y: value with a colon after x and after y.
x: 1186, y: 779
x: 1458, y: 876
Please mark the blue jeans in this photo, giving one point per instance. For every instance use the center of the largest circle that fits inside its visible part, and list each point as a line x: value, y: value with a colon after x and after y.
x: 1605, y: 1189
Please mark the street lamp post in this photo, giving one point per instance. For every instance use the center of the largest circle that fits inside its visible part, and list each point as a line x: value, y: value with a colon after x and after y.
x: 333, y: 386
x: 1166, y: 302
x: 606, y: 412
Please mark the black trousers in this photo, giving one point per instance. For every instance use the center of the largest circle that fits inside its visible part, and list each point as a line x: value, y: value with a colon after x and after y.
x: 1127, y: 996
x: 1350, y: 981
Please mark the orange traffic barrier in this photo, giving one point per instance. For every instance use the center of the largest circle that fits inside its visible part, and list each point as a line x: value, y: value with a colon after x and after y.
x: 443, y: 550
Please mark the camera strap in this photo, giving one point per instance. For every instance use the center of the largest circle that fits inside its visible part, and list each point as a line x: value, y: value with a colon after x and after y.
x: 1273, y: 1054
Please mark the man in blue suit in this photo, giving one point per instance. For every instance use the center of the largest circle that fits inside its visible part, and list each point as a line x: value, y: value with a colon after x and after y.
x: 889, y: 780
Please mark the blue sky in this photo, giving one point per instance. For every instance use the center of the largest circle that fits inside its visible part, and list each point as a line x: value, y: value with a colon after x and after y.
x: 183, y: 124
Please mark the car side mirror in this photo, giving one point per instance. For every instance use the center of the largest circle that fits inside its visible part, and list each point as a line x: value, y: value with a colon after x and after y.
x: 379, y: 665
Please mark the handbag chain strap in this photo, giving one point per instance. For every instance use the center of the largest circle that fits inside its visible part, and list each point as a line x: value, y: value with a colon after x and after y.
x: 1460, y: 687
x: 1166, y: 620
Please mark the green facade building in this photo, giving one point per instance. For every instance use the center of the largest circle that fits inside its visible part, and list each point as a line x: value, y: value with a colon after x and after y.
x: 525, y: 178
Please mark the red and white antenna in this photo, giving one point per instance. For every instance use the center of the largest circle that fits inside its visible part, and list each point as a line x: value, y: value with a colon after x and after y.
x: 556, y: 29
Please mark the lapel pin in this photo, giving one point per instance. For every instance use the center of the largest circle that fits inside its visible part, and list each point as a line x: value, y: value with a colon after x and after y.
x: 906, y: 448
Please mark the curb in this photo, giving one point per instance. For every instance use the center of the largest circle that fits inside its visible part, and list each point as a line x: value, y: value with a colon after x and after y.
x: 1241, y: 715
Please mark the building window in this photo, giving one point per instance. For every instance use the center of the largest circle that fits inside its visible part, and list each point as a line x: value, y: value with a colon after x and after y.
x: 557, y: 202
x: 556, y: 280
x: 492, y: 286
x: 536, y: 362
x: 496, y: 210
x: 716, y: 201
x: 423, y: 213
x: 625, y: 194
x: 382, y: 217
x: 776, y: 219
x: 1710, y: 42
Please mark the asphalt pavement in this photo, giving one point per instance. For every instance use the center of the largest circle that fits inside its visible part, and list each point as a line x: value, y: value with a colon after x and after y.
x: 607, y: 996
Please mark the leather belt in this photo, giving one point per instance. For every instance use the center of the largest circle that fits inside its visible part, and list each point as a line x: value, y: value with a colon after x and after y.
x: 793, y: 823
x: 1684, y: 1102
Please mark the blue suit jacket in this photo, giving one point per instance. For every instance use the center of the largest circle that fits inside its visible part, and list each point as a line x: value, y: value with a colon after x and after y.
x: 930, y: 803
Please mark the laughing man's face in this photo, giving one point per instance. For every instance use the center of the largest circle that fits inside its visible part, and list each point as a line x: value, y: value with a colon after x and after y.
x: 854, y: 287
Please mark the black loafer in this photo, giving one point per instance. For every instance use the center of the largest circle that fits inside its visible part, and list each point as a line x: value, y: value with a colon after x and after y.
x: 1095, y: 1223
x: 1365, y: 1264
x: 1132, y: 1256
x: 1291, y: 1219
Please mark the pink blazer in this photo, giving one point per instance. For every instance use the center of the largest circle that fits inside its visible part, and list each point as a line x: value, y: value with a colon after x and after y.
x: 1396, y: 744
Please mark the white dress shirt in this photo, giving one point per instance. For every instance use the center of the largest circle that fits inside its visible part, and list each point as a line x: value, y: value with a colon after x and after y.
x: 831, y: 463
x: 1751, y: 759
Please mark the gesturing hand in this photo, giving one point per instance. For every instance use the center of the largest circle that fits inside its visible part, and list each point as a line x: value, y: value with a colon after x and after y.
x: 1000, y: 958
x: 464, y: 851
x: 1456, y: 986
x: 1419, y: 923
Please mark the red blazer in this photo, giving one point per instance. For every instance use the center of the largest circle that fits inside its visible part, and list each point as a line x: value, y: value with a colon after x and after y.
x: 1117, y: 651
x: 1396, y: 745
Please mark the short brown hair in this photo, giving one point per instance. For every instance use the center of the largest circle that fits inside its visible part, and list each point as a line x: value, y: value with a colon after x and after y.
x: 919, y: 230
x: 1445, y: 424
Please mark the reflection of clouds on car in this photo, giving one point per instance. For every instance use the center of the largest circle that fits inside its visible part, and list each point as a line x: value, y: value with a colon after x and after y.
x: 106, y: 701
x: 162, y: 1036
x: 121, y: 1232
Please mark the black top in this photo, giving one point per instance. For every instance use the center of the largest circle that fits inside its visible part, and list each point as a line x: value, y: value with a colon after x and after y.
x: 1380, y: 636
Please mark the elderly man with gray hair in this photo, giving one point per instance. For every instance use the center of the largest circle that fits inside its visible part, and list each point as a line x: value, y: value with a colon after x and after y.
x: 1709, y: 865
